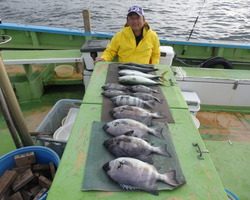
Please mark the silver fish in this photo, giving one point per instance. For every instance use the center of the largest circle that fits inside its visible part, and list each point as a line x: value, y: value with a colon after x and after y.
x: 113, y: 93
x: 138, y: 68
x: 131, y: 127
x: 132, y: 173
x: 139, y: 65
x: 131, y: 101
x: 136, y: 113
x: 146, y: 96
x: 129, y: 146
x: 142, y: 88
x: 125, y: 72
x: 137, y: 80
x: 114, y: 86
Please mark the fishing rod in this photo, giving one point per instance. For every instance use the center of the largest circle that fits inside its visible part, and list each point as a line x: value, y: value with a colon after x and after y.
x: 196, y: 20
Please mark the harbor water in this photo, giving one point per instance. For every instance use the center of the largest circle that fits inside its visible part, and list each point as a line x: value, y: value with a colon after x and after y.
x: 171, y: 19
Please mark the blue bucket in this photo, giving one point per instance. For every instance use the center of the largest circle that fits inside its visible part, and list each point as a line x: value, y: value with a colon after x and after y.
x: 44, y: 155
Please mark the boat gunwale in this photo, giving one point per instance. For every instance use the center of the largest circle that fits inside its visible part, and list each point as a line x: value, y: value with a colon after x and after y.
x: 79, y: 32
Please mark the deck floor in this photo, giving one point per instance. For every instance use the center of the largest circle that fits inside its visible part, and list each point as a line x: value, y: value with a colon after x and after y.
x: 225, y: 126
x: 34, y: 112
x: 227, y: 137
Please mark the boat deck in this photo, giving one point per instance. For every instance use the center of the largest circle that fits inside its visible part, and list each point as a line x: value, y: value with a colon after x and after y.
x: 225, y: 126
x: 226, y: 136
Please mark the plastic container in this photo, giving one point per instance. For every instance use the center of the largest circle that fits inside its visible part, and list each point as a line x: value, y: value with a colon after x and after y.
x: 44, y: 155
x: 167, y: 55
x: 63, y: 132
x: 52, y: 121
x: 71, y: 116
x: 64, y: 71
x: 193, y: 101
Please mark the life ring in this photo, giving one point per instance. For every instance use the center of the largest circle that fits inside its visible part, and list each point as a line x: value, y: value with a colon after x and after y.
x: 212, y: 62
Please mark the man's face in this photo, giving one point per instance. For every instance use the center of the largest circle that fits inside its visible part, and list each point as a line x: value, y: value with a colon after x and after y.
x: 135, y: 21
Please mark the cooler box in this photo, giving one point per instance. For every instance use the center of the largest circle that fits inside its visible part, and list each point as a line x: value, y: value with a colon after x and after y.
x: 167, y: 55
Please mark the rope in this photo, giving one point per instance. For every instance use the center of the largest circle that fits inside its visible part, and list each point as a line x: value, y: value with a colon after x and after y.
x: 4, y: 39
x: 196, y: 20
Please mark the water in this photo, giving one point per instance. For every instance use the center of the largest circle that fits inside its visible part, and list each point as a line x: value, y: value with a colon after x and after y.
x: 171, y: 19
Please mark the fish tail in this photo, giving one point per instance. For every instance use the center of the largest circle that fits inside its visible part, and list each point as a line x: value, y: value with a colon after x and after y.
x: 157, y: 99
x: 170, y: 178
x: 163, y: 151
x: 150, y: 103
x: 156, y: 91
x: 158, y: 115
x: 156, y: 131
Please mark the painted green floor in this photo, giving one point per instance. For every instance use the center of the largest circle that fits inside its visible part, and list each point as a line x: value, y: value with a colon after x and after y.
x: 232, y: 161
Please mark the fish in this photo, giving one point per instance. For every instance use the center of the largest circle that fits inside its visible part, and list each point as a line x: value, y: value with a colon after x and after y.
x: 136, y: 113
x: 125, y: 72
x: 131, y: 101
x: 143, y: 88
x: 138, y: 68
x: 131, y: 127
x: 114, y: 86
x: 129, y: 146
x: 137, y: 80
x: 113, y: 93
x: 146, y: 96
x: 131, y: 173
x: 139, y: 65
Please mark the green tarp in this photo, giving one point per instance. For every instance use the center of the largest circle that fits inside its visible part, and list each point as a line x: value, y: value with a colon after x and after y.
x: 96, y: 179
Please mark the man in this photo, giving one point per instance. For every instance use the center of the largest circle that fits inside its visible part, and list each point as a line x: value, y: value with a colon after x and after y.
x: 136, y: 42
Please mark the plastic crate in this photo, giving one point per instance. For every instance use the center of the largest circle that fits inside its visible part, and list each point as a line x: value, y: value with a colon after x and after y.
x: 52, y: 121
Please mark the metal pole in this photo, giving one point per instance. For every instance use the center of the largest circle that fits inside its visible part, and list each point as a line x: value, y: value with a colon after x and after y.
x: 9, y: 121
x: 86, y: 20
x: 13, y: 106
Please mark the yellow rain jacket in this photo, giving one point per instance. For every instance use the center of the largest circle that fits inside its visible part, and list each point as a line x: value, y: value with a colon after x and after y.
x: 123, y: 45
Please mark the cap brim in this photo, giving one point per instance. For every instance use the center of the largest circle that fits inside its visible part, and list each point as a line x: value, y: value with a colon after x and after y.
x: 130, y: 13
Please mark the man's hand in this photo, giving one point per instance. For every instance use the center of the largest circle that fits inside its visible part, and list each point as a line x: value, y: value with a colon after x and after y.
x: 98, y: 60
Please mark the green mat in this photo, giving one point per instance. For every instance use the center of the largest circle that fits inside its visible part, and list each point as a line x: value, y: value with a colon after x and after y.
x: 96, y: 179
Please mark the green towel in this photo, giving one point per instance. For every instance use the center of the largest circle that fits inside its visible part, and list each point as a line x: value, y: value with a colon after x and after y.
x: 96, y: 179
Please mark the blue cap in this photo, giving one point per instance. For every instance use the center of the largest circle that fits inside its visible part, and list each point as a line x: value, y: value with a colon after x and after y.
x: 136, y: 9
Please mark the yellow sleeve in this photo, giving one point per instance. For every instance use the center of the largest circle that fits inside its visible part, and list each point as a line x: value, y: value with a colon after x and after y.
x: 155, y: 57
x: 112, y: 48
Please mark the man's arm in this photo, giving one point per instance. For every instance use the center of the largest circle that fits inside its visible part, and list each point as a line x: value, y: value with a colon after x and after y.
x: 112, y: 49
x: 155, y: 57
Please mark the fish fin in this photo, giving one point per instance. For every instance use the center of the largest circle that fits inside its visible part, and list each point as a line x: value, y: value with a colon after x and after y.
x: 147, y: 121
x: 162, y: 76
x: 170, y: 178
x: 150, y: 103
x: 129, y: 133
x: 154, y: 192
x: 157, y: 131
x: 146, y: 158
x: 152, y: 188
x: 127, y: 187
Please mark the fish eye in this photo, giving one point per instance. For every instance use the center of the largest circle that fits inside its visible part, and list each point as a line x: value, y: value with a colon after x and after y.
x: 120, y: 164
x: 116, y: 123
